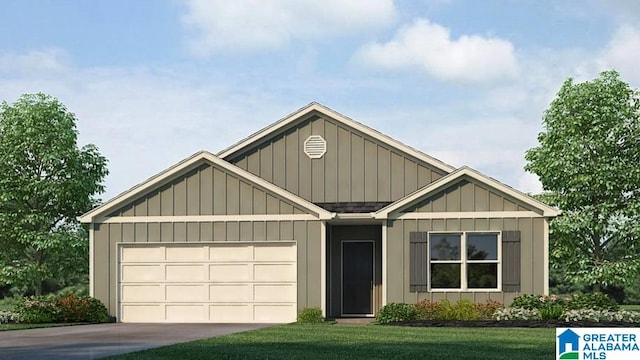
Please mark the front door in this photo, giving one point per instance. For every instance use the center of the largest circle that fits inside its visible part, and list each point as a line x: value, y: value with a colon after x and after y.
x: 357, y: 278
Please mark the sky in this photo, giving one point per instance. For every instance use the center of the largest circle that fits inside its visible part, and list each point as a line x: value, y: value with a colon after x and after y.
x: 154, y: 81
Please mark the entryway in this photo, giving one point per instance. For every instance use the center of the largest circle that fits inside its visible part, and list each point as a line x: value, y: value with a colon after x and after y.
x: 354, y: 271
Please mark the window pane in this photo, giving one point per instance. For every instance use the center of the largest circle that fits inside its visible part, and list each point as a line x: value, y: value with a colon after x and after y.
x: 445, y: 276
x: 445, y: 246
x: 482, y: 246
x: 482, y: 276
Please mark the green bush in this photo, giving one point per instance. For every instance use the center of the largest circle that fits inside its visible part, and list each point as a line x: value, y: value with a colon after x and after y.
x: 310, y: 316
x: 38, y: 310
x: 80, y: 290
x: 426, y: 309
x: 593, y: 301
x: 551, y: 311
x: 81, y: 309
x: 396, y: 312
x: 69, y: 308
x: 9, y: 303
x: 462, y: 310
x: 489, y: 308
x: 8, y: 317
x: 552, y: 306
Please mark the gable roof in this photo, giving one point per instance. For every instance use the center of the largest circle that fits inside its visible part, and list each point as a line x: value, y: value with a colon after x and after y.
x: 319, y: 108
x: 194, y: 160
x: 447, y: 180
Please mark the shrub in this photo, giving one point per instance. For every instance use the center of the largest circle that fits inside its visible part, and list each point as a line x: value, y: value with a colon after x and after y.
x: 38, y: 310
x: 601, y: 315
x: 596, y: 301
x: 310, y: 316
x: 462, y: 310
x: 426, y: 309
x: 517, y: 313
x: 465, y: 310
x: 8, y: 317
x: 551, y: 311
x: 396, y: 312
x: 81, y: 309
x: 69, y: 308
x: 81, y: 290
x: 488, y: 308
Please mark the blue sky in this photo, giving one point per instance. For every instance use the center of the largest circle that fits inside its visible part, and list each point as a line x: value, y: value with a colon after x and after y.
x: 466, y: 81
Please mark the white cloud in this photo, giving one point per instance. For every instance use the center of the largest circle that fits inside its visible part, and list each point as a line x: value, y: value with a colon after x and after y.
x: 429, y: 47
x: 44, y: 60
x: 143, y: 119
x: 622, y: 53
x: 223, y: 25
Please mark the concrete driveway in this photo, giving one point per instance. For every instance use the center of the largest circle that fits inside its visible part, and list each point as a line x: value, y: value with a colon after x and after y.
x: 96, y: 341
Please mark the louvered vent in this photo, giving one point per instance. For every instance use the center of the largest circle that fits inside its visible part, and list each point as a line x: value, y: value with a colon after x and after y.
x: 315, y: 146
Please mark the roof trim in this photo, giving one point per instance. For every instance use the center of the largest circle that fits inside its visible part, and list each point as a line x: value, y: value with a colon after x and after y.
x: 314, y: 106
x: 194, y: 159
x: 419, y: 194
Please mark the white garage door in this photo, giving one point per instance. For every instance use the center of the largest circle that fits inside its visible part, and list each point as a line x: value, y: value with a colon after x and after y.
x: 222, y: 283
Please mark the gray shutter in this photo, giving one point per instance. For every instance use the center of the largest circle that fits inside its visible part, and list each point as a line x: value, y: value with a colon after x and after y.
x: 418, y: 261
x: 511, y: 257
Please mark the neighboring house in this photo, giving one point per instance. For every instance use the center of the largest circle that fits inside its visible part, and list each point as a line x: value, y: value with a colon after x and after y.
x: 315, y: 210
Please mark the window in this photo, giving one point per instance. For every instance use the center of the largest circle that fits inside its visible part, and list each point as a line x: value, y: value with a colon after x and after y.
x: 463, y: 261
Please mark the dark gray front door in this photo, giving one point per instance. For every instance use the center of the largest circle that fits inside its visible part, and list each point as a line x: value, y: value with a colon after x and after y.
x: 357, y: 277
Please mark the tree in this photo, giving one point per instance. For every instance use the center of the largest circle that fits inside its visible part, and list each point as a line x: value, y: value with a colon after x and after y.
x: 588, y: 160
x: 45, y: 183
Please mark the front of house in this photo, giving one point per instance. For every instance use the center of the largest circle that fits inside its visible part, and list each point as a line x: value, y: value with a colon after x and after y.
x: 315, y: 210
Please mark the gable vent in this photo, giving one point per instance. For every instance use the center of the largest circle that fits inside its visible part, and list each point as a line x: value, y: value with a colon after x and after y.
x: 315, y: 146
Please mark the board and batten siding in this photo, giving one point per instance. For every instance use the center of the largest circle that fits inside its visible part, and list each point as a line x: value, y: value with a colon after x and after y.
x: 207, y: 190
x: 306, y: 234
x: 355, y: 168
x: 532, y: 279
x: 469, y: 195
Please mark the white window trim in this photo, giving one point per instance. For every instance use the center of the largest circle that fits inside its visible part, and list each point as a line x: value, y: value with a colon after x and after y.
x: 463, y: 262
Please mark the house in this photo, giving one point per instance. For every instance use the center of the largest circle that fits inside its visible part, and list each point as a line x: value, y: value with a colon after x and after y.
x: 315, y: 210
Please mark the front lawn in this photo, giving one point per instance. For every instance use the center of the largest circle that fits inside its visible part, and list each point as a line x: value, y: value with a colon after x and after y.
x: 7, y: 327
x: 365, y: 342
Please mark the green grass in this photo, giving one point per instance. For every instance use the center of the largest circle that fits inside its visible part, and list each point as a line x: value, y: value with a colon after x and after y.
x: 365, y: 342
x: 8, y: 327
x: 630, y: 307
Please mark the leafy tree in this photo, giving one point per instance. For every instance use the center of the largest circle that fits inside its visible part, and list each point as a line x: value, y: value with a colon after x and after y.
x: 45, y: 183
x: 588, y: 160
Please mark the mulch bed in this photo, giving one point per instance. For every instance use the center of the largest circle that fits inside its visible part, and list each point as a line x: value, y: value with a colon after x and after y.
x: 513, y: 323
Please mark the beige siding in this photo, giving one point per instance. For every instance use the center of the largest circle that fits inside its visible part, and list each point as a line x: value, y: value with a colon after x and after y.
x: 306, y: 234
x: 469, y: 195
x: 532, y: 247
x: 207, y: 190
x: 355, y: 167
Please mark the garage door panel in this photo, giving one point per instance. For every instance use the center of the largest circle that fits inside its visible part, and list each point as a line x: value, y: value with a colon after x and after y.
x: 274, y: 313
x: 142, y: 313
x: 142, y: 254
x: 142, y: 273
x: 224, y: 252
x: 141, y: 293
x: 230, y: 313
x: 274, y: 292
x: 275, y: 272
x: 186, y: 273
x: 186, y: 313
x: 230, y: 293
x: 226, y: 283
x: 186, y: 253
x: 278, y: 252
x: 186, y: 293
x: 230, y: 272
